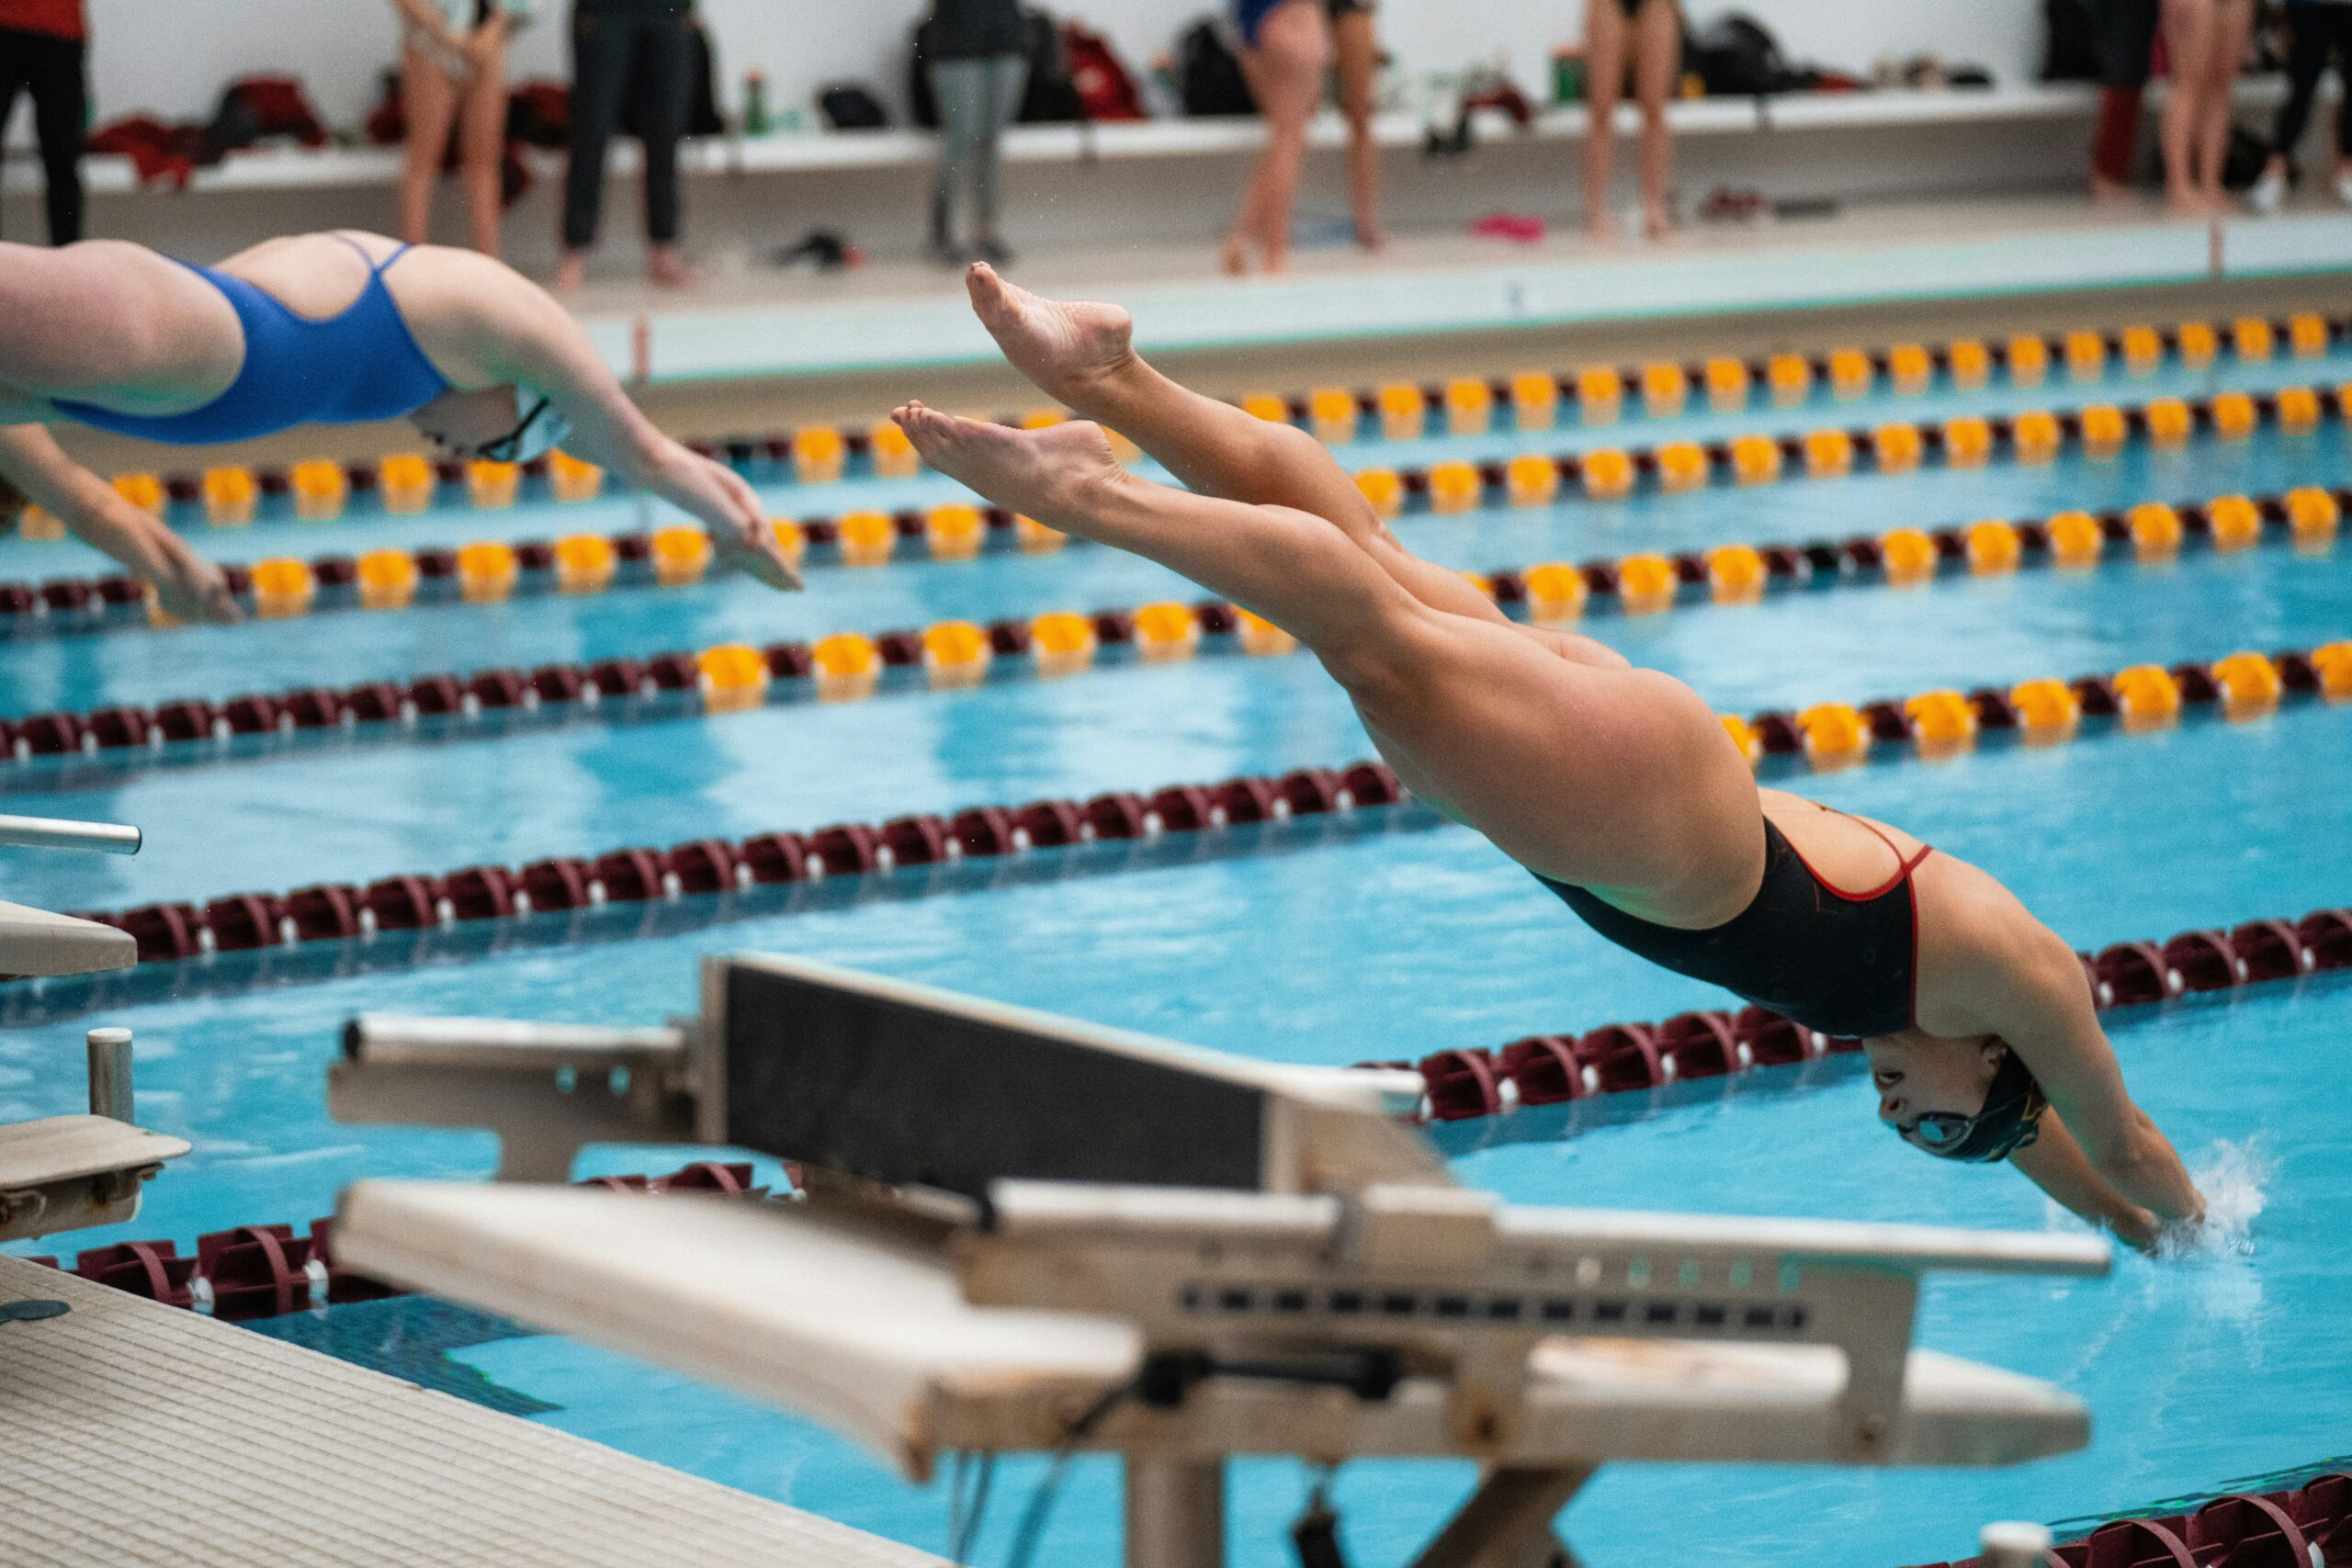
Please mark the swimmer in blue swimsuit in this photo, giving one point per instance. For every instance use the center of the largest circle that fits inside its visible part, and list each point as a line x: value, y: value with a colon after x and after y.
x: 1617, y: 787
x: 318, y: 329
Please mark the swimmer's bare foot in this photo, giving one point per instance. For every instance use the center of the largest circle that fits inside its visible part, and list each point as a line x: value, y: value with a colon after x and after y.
x: 1052, y: 475
x: 665, y: 268
x: 1064, y: 346
x: 1655, y: 223
x: 572, y: 273
x: 1234, y: 259
x: 1602, y: 226
x: 1369, y: 238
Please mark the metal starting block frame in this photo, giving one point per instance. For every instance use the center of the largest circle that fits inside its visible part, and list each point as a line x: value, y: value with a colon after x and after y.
x: 1014, y: 1221
x: 64, y: 1173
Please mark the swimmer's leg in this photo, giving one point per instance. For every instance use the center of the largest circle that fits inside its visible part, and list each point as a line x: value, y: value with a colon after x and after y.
x: 1082, y: 354
x: 1565, y: 766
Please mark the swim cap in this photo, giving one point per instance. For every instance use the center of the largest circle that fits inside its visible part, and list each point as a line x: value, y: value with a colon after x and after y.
x: 2010, y: 1120
x: 538, y: 429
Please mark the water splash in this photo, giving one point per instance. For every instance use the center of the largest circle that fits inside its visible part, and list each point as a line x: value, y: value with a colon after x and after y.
x: 2232, y: 1178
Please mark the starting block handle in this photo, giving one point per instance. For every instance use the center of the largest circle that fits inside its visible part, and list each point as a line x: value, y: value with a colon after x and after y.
x: 57, y: 834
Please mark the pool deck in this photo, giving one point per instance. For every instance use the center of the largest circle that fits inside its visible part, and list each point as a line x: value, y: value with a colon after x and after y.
x: 133, y: 1433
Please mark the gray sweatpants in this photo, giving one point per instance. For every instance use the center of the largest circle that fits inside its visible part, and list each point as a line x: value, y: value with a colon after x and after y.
x: 977, y: 99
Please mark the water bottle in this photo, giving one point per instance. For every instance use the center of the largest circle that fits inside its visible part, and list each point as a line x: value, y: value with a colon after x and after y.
x: 755, y: 104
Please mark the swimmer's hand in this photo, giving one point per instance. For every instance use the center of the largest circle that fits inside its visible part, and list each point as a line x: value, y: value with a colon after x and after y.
x: 189, y: 587
x: 730, y: 508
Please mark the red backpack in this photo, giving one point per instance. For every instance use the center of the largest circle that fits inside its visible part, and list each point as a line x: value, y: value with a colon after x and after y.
x: 1101, y: 83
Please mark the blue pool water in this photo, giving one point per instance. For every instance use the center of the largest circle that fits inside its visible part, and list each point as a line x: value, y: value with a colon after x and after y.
x: 1389, y: 939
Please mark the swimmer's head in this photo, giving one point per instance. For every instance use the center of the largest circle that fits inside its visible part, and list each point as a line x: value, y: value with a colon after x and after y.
x: 1975, y: 1102
x: 500, y: 424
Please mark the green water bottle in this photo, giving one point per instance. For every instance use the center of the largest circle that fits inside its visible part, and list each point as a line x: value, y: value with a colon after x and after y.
x: 755, y: 104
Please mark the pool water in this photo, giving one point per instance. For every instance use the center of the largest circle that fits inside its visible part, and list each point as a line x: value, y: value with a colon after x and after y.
x: 1388, y: 938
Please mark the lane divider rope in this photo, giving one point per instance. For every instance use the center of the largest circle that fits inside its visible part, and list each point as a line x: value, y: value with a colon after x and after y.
x: 318, y: 490
x: 956, y: 655
x: 1474, y: 1083
x: 1932, y: 725
x: 489, y: 572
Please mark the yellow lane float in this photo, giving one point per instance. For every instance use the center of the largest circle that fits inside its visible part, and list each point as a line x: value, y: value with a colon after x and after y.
x: 1469, y: 406
x: 1062, y: 642
x: 1728, y: 385
x: 2311, y: 514
x: 2048, y: 711
x: 2077, y: 540
x: 866, y: 538
x: 847, y: 667
x: 1454, y: 487
x: 406, y: 483
x: 487, y: 570
x: 1535, y: 400
x: 1735, y: 574
x: 1600, y: 395
x: 1333, y: 414
x: 1682, y: 465
x: 1828, y: 453
x: 893, y: 456
x: 231, y: 497
x: 955, y: 654
x: 492, y: 487
x: 1403, y: 411
x: 1555, y: 592
x: 1834, y: 735
x: 572, y: 480
x: 734, y: 676
x: 2147, y: 696
x: 1167, y: 631
x: 954, y: 532
x: 1385, y: 489
x: 1646, y: 584
x: 2235, y: 522
x: 1755, y: 460
x: 1608, y: 474
x: 584, y: 563
x: 1530, y: 479
x: 283, y: 587
x: 1943, y: 724
x: 1907, y: 555
x: 1666, y: 389
x: 386, y: 580
x: 320, y: 489
x: 2250, y: 686
x: 1994, y: 547
x: 681, y: 555
x: 1898, y: 449
x: 1971, y: 364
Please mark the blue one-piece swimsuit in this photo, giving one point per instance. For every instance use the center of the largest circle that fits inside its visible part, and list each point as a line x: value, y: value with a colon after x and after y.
x: 354, y: 369
x: 1252, y: 15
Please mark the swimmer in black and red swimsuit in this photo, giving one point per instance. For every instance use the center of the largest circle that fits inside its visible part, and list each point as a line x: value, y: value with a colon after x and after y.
x: 1617, y: 786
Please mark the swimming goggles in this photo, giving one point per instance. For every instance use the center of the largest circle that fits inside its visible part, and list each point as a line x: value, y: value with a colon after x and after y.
x: 538, y: 429
x: 2010, y: 1120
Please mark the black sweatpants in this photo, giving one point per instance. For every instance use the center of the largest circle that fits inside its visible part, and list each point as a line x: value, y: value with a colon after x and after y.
x: 51, y: 70
x: 645, y: 56
x: 2314, y: 33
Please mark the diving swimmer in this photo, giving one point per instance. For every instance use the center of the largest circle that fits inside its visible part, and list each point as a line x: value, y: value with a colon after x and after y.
x: 1616, y: 786
x: 329, y: 329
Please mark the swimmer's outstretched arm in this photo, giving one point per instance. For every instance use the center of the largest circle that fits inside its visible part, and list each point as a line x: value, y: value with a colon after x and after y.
x: 488, y: 320
x: 2026, y: 987
x: 186, y: 584
x: 2056, y: 1163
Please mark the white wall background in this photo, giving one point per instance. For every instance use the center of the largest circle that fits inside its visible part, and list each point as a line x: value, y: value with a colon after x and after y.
x: 171, y: 57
